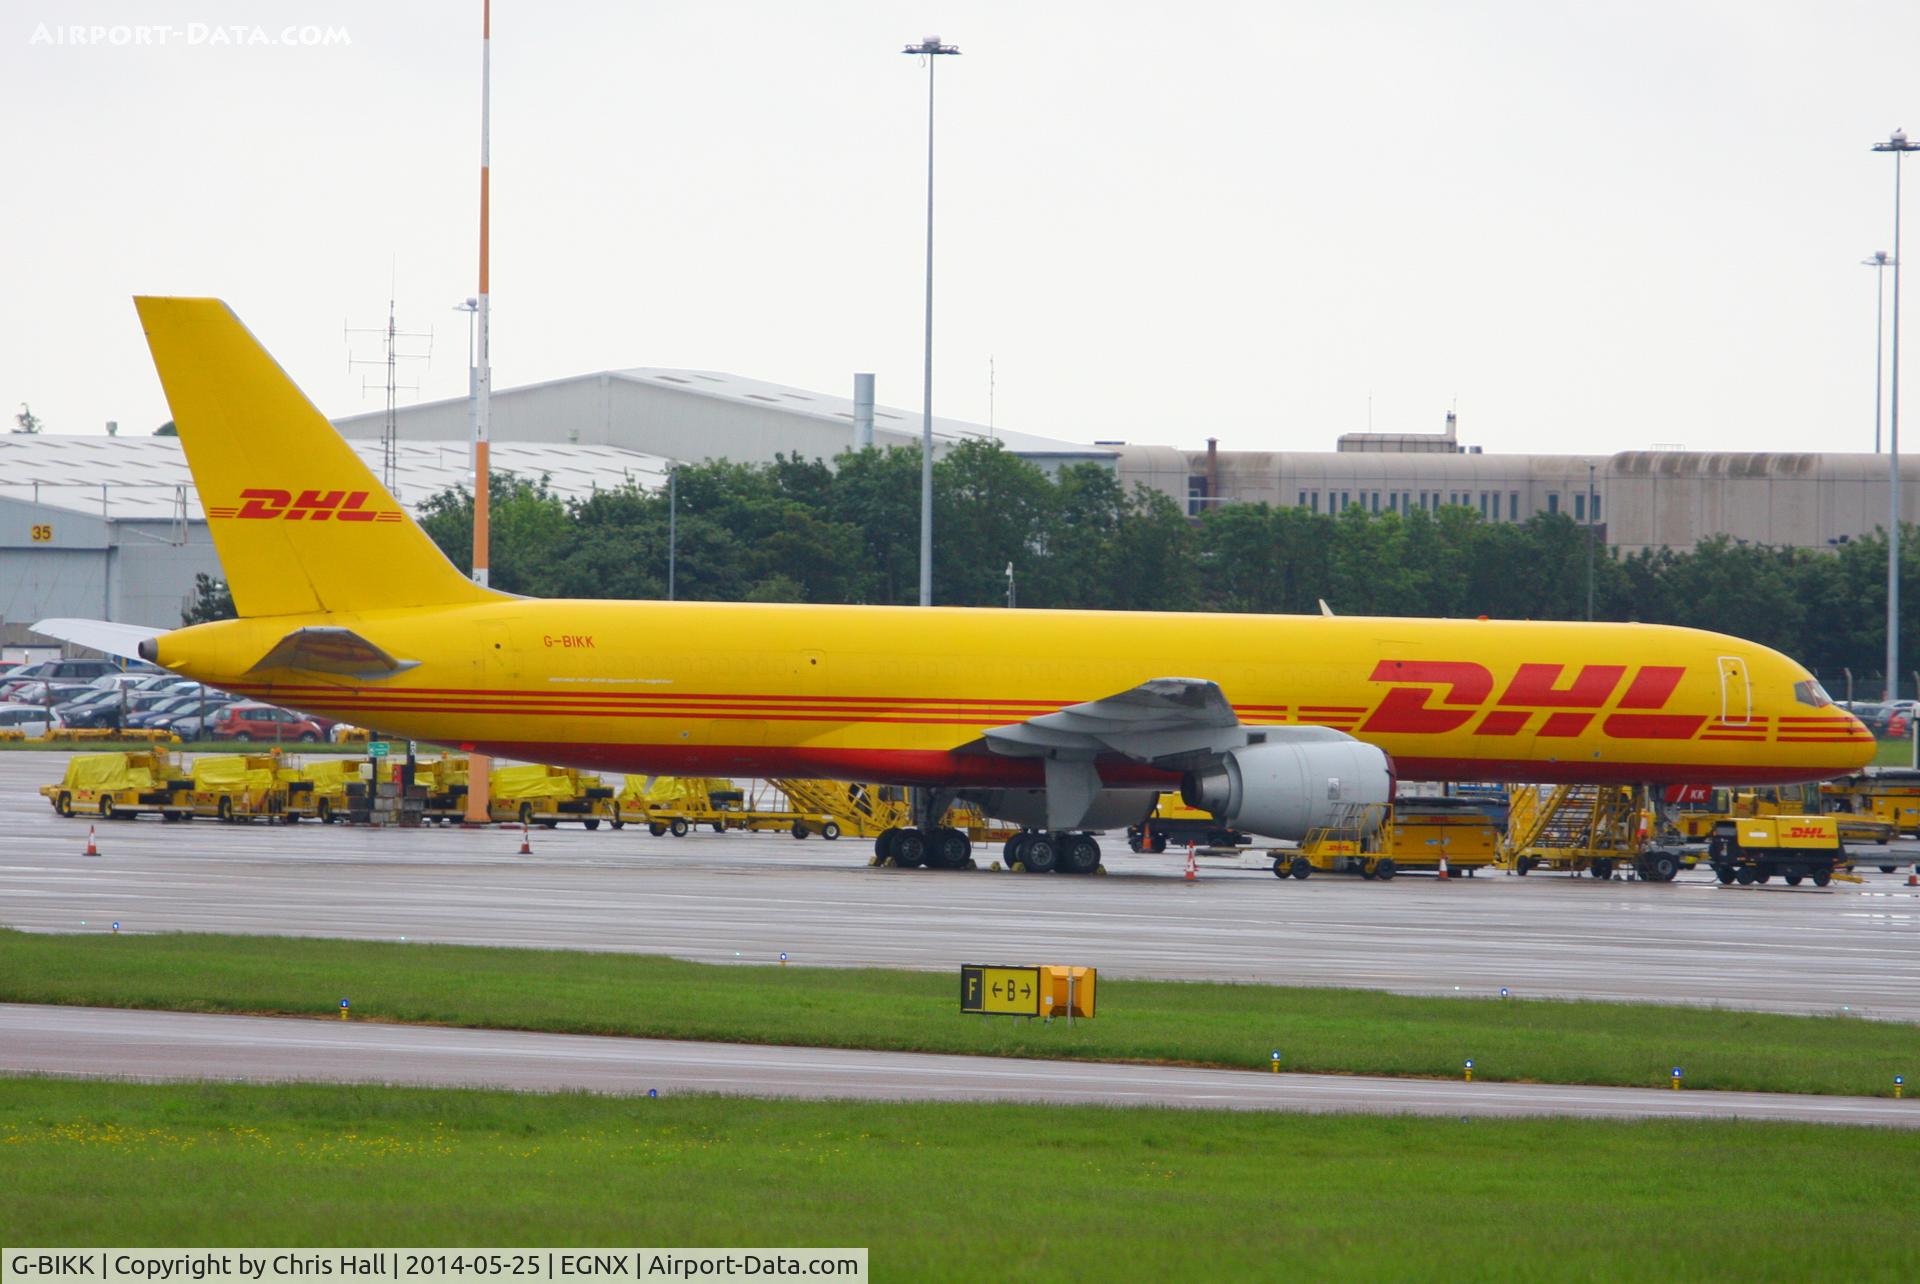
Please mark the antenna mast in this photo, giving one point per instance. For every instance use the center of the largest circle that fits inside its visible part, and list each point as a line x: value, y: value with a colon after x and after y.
x: 392, y: 340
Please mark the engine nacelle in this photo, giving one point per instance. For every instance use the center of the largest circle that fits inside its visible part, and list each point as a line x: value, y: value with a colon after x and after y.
x: 1283, y: 790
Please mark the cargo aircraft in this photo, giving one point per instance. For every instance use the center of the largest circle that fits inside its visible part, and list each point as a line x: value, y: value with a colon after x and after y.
x: 1061, y: 721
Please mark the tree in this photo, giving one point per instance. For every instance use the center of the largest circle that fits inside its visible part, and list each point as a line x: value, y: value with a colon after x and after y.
x: 212, y: 600
x: 525, y: 522
x: 166, y: 430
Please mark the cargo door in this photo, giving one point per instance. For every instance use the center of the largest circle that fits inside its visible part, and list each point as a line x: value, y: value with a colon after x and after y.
x: 1736, y: 691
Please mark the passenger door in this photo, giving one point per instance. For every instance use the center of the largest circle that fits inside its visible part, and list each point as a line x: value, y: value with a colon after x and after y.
x: 1736, y: 690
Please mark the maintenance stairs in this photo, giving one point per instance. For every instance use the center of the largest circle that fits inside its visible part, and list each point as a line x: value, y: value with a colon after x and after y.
x: 1572, y: 827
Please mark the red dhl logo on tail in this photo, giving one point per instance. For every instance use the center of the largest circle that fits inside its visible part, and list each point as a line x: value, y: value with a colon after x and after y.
x: 262, y: 504
x: 1452, y: 693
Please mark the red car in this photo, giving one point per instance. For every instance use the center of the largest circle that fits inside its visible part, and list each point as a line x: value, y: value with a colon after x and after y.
x: 263, y: 722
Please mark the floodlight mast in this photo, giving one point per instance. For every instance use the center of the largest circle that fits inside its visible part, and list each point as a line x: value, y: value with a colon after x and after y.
x: 1878, y: 263
x: 931, y: 49
x: 1899, y: 145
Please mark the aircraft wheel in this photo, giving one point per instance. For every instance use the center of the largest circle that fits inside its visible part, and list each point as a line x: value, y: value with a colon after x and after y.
x: 909, y: 848
x: 1384, y: 868
x: 1302, y: 868
x: 1079, y: 854
x: 956, y: 849
x: 1014, y: 850
x: 1821, y: 877
x: 830, y: 831
x: 678, y: 826
x: 1041, y: 853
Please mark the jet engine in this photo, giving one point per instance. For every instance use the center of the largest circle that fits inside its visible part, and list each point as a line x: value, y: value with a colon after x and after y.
x: 1283, y: 790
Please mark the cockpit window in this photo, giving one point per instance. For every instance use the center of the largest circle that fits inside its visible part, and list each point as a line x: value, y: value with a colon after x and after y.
x: 1811, y: 692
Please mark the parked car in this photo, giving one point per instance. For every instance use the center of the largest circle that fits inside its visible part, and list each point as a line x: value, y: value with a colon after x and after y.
x: 79, y: 671
x: 192, y: 725
x: 173, y: 704
x: 44, y: 693
x: 252, y: 721
x: 31, y: 719
x: 96, y: 707
x: 1874, y: 716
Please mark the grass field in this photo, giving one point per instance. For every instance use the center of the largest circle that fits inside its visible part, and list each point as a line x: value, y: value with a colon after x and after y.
x: 958, y: 1191
x: 1353, y: 1031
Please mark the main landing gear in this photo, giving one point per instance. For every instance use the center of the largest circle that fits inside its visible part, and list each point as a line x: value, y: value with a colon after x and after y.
x: 1031, y: 851
x: 940, y: 847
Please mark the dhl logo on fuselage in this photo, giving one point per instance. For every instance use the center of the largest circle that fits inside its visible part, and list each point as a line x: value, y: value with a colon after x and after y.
x: 263, y: 504
x: 1454, y: 693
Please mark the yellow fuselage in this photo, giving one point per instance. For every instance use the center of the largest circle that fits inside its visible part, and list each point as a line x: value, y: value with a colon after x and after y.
x: 901, y: 695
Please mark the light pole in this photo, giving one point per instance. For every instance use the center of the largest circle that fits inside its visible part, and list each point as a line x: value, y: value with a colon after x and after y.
x: 1899, y: 146
x: 1589, y: 541
x: 1878, y: 263
x: 931, y: 49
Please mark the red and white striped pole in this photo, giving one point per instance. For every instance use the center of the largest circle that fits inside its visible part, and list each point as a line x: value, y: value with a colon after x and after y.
x: 479, y: 765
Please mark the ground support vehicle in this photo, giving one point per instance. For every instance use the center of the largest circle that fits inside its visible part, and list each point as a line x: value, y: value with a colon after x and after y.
x: 121, y: 786
x: 1591, y: 829
x: 859, y: 811
x: 1756, y: 848
x: 1889, y: 794
x: 319, y: 790
x: 1409, y: 834
x: 1699, y: 815
x: 678, y: 805
x: 536, y: 794
x: 445, y: 780
x: 237, y: 787
x: 1172, y: 823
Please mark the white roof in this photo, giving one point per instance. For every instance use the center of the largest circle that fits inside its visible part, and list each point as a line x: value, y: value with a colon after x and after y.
x: 822, y: 405
x: 146, y: 478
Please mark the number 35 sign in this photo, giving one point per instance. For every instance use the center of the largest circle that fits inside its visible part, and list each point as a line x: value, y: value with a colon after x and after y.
x: 43, y: 534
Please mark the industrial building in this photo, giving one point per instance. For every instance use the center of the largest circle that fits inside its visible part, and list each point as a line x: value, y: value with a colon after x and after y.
x: 112, y: 526
x: 1637, y: 499
x: 697, y: 414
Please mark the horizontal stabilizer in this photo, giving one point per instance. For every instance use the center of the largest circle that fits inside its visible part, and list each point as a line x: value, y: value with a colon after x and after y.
x: 331, y: 650
x: 122, y: 640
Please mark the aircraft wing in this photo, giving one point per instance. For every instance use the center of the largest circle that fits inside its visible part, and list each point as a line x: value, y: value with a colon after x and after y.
x: 122, y: 640
x: 331, y: 650
x: 1174, y: 723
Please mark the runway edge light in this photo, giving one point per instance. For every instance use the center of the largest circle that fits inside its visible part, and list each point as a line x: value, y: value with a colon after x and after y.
x: 1676, y: 1078
x: 343, y: 1009
x: 1469, y: 1069
x: 1276, y: 1061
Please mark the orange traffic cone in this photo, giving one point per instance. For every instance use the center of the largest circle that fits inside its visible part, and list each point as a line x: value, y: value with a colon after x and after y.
x: 526, y: 843
x: 92, y: 849
x: 1443, y: 866
x: 1913, y: 880
x: 1193, y: 869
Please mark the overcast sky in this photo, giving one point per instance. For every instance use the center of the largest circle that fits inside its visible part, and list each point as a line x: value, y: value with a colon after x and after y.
x: 1593, y: 227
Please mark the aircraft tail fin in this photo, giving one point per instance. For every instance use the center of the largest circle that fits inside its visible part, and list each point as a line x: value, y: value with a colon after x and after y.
x: 300, y: 523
